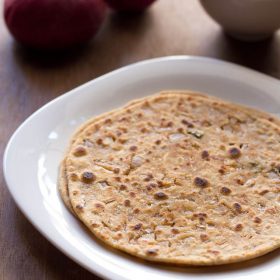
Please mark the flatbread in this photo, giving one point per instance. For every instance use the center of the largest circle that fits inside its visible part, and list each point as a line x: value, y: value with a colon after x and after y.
x: 63, y: 185
x: 62, y: 178
x: 179, y: 179
x: 62, y: 181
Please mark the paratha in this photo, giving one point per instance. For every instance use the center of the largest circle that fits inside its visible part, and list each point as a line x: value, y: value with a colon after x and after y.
x: 63, y: 186
x: 179, y: 178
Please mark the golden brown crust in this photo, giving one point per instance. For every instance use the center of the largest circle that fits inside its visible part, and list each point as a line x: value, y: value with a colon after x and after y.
x: 226, y: 180
x: 63, y: 186
x: 62, y: 177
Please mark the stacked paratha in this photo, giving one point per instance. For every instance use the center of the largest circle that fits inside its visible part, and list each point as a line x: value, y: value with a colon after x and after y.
x: 178, y: 177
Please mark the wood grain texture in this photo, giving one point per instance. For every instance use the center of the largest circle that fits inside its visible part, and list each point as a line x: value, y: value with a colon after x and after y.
x: 29, y: 80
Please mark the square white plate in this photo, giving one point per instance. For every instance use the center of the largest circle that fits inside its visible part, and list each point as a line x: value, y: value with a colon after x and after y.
x: 33, y: 154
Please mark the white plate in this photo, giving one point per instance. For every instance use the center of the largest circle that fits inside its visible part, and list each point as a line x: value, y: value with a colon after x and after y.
x: 33, y: 154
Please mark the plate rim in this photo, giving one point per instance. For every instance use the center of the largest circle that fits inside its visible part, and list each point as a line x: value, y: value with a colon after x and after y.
x: 99, y: 269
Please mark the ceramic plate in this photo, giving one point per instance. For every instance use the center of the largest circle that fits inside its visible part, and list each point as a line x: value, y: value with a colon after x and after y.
x: 38, y: 145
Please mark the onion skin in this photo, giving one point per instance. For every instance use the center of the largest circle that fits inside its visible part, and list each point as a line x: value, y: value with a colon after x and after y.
x: 53, y: 24
x: 129, y: 5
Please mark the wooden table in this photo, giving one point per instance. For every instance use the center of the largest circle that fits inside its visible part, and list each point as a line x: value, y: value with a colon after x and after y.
x: 28, y: 81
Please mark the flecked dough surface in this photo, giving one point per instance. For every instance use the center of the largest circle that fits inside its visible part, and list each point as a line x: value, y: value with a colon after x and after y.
x: 179, y: 179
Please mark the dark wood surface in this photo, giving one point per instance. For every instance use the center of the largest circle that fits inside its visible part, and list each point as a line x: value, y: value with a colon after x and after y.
x: 29, y: 80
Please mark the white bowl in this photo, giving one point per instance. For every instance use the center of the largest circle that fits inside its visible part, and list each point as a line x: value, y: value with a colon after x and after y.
x: 245, y: 19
